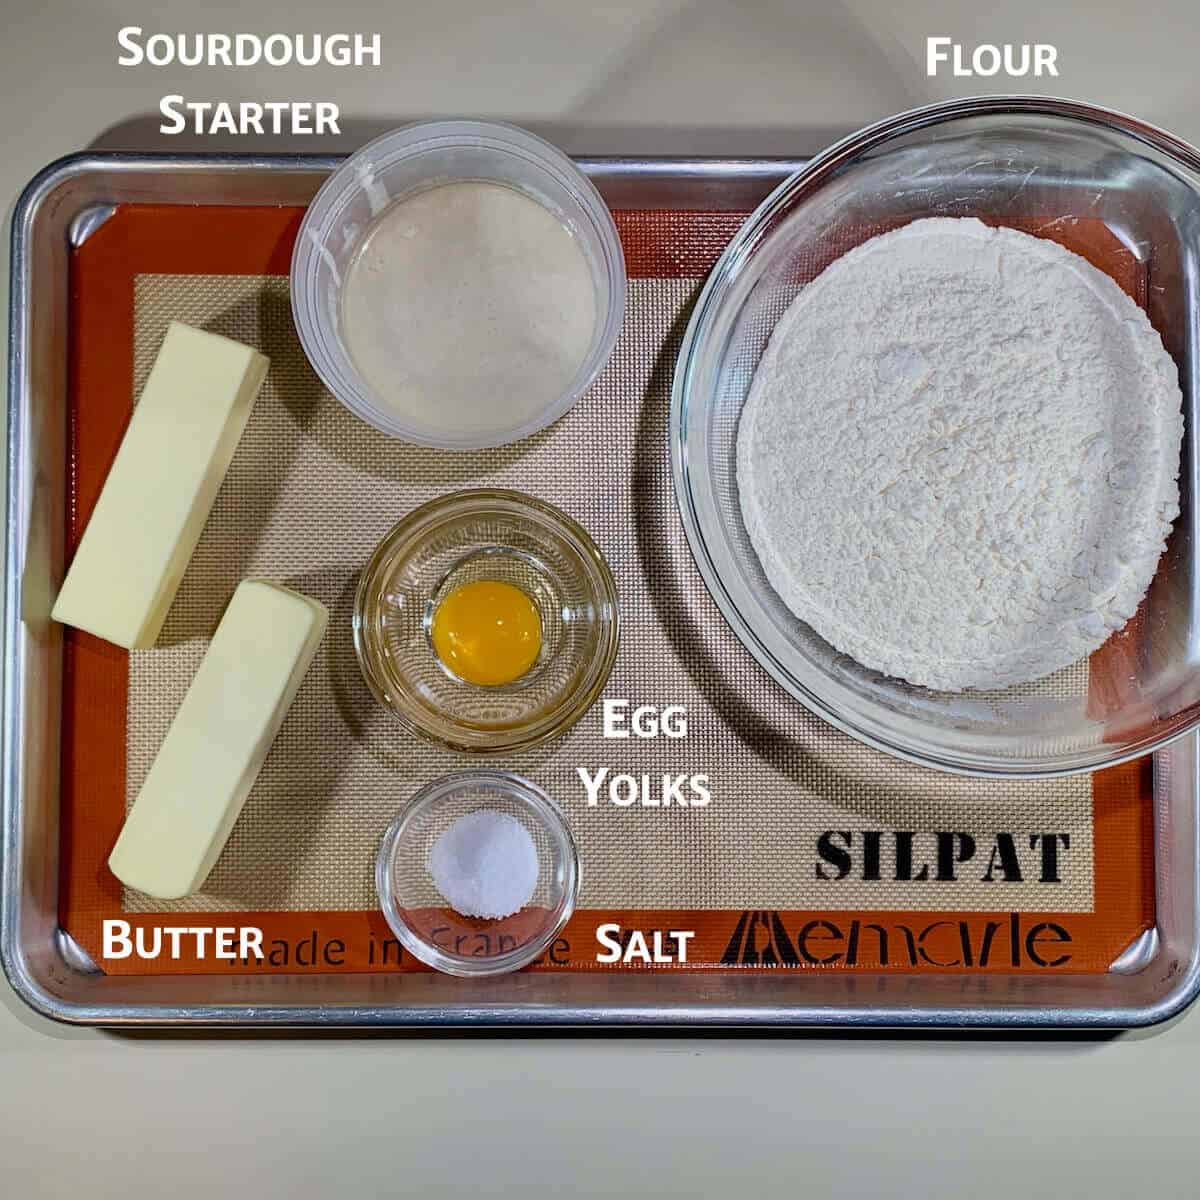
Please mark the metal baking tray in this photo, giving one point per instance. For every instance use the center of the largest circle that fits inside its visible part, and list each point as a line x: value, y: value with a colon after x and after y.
x: 1159, y: 975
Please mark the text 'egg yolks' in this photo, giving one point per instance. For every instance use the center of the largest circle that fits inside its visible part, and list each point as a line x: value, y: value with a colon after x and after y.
x: 487, y: 632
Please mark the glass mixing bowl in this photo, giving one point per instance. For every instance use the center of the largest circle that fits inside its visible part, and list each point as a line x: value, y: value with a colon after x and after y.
x: 1123, y: 192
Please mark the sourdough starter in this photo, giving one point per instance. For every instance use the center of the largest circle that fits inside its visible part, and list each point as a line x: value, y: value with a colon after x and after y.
x: 468, y: 307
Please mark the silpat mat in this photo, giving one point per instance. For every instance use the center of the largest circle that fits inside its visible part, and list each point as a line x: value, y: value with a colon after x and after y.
x: 814, y: 850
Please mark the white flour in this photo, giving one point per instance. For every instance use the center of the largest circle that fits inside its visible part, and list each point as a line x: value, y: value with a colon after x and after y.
x: 959, y: 455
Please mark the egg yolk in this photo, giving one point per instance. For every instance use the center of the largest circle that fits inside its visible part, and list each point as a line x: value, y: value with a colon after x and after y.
x: 487, y: 632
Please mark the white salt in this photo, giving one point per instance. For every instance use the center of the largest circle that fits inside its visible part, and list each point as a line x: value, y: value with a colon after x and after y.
x: 485, y: 864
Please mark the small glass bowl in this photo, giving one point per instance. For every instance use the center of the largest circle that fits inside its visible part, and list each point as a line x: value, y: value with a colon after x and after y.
x: 496, y: 535
x: 438, y: 935
x: 411, y: 160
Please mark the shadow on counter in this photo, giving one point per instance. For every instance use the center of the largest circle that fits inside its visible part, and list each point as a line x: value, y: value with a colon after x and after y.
x: 1078, y: 1041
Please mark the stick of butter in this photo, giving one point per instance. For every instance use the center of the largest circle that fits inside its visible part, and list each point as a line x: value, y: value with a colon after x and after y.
x: 161, y: 487
x: 218, y: 740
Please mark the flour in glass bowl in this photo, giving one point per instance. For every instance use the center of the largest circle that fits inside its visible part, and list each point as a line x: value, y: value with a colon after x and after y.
x: 959, y: 456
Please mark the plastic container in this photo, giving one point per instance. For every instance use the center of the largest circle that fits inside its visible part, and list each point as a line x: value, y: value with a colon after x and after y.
x: 459, y: 539
x: 411, y: 160
x: 445, y: 939
x: 1035, y: 160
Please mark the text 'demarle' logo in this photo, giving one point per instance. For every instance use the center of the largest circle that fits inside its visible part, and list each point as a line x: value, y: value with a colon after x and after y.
x: 762, y: 939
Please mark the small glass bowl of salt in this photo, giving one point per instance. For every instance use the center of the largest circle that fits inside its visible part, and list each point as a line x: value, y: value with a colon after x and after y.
x: 478, y: 874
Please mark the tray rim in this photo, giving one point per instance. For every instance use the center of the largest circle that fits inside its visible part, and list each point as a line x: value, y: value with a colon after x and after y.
x: 13, y: 957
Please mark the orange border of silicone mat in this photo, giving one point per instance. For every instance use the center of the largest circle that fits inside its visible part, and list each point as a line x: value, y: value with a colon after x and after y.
x: 143, y: 239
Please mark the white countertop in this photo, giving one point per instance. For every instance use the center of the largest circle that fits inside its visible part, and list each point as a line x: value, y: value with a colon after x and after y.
x: 851, y: 1116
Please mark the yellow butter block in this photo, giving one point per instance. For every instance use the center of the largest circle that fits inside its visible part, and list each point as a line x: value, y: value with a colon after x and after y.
x: 219, y: 739
x: 161, y: 487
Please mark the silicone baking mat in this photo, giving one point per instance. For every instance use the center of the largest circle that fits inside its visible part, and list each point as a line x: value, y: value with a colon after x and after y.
x: 813, y: 851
